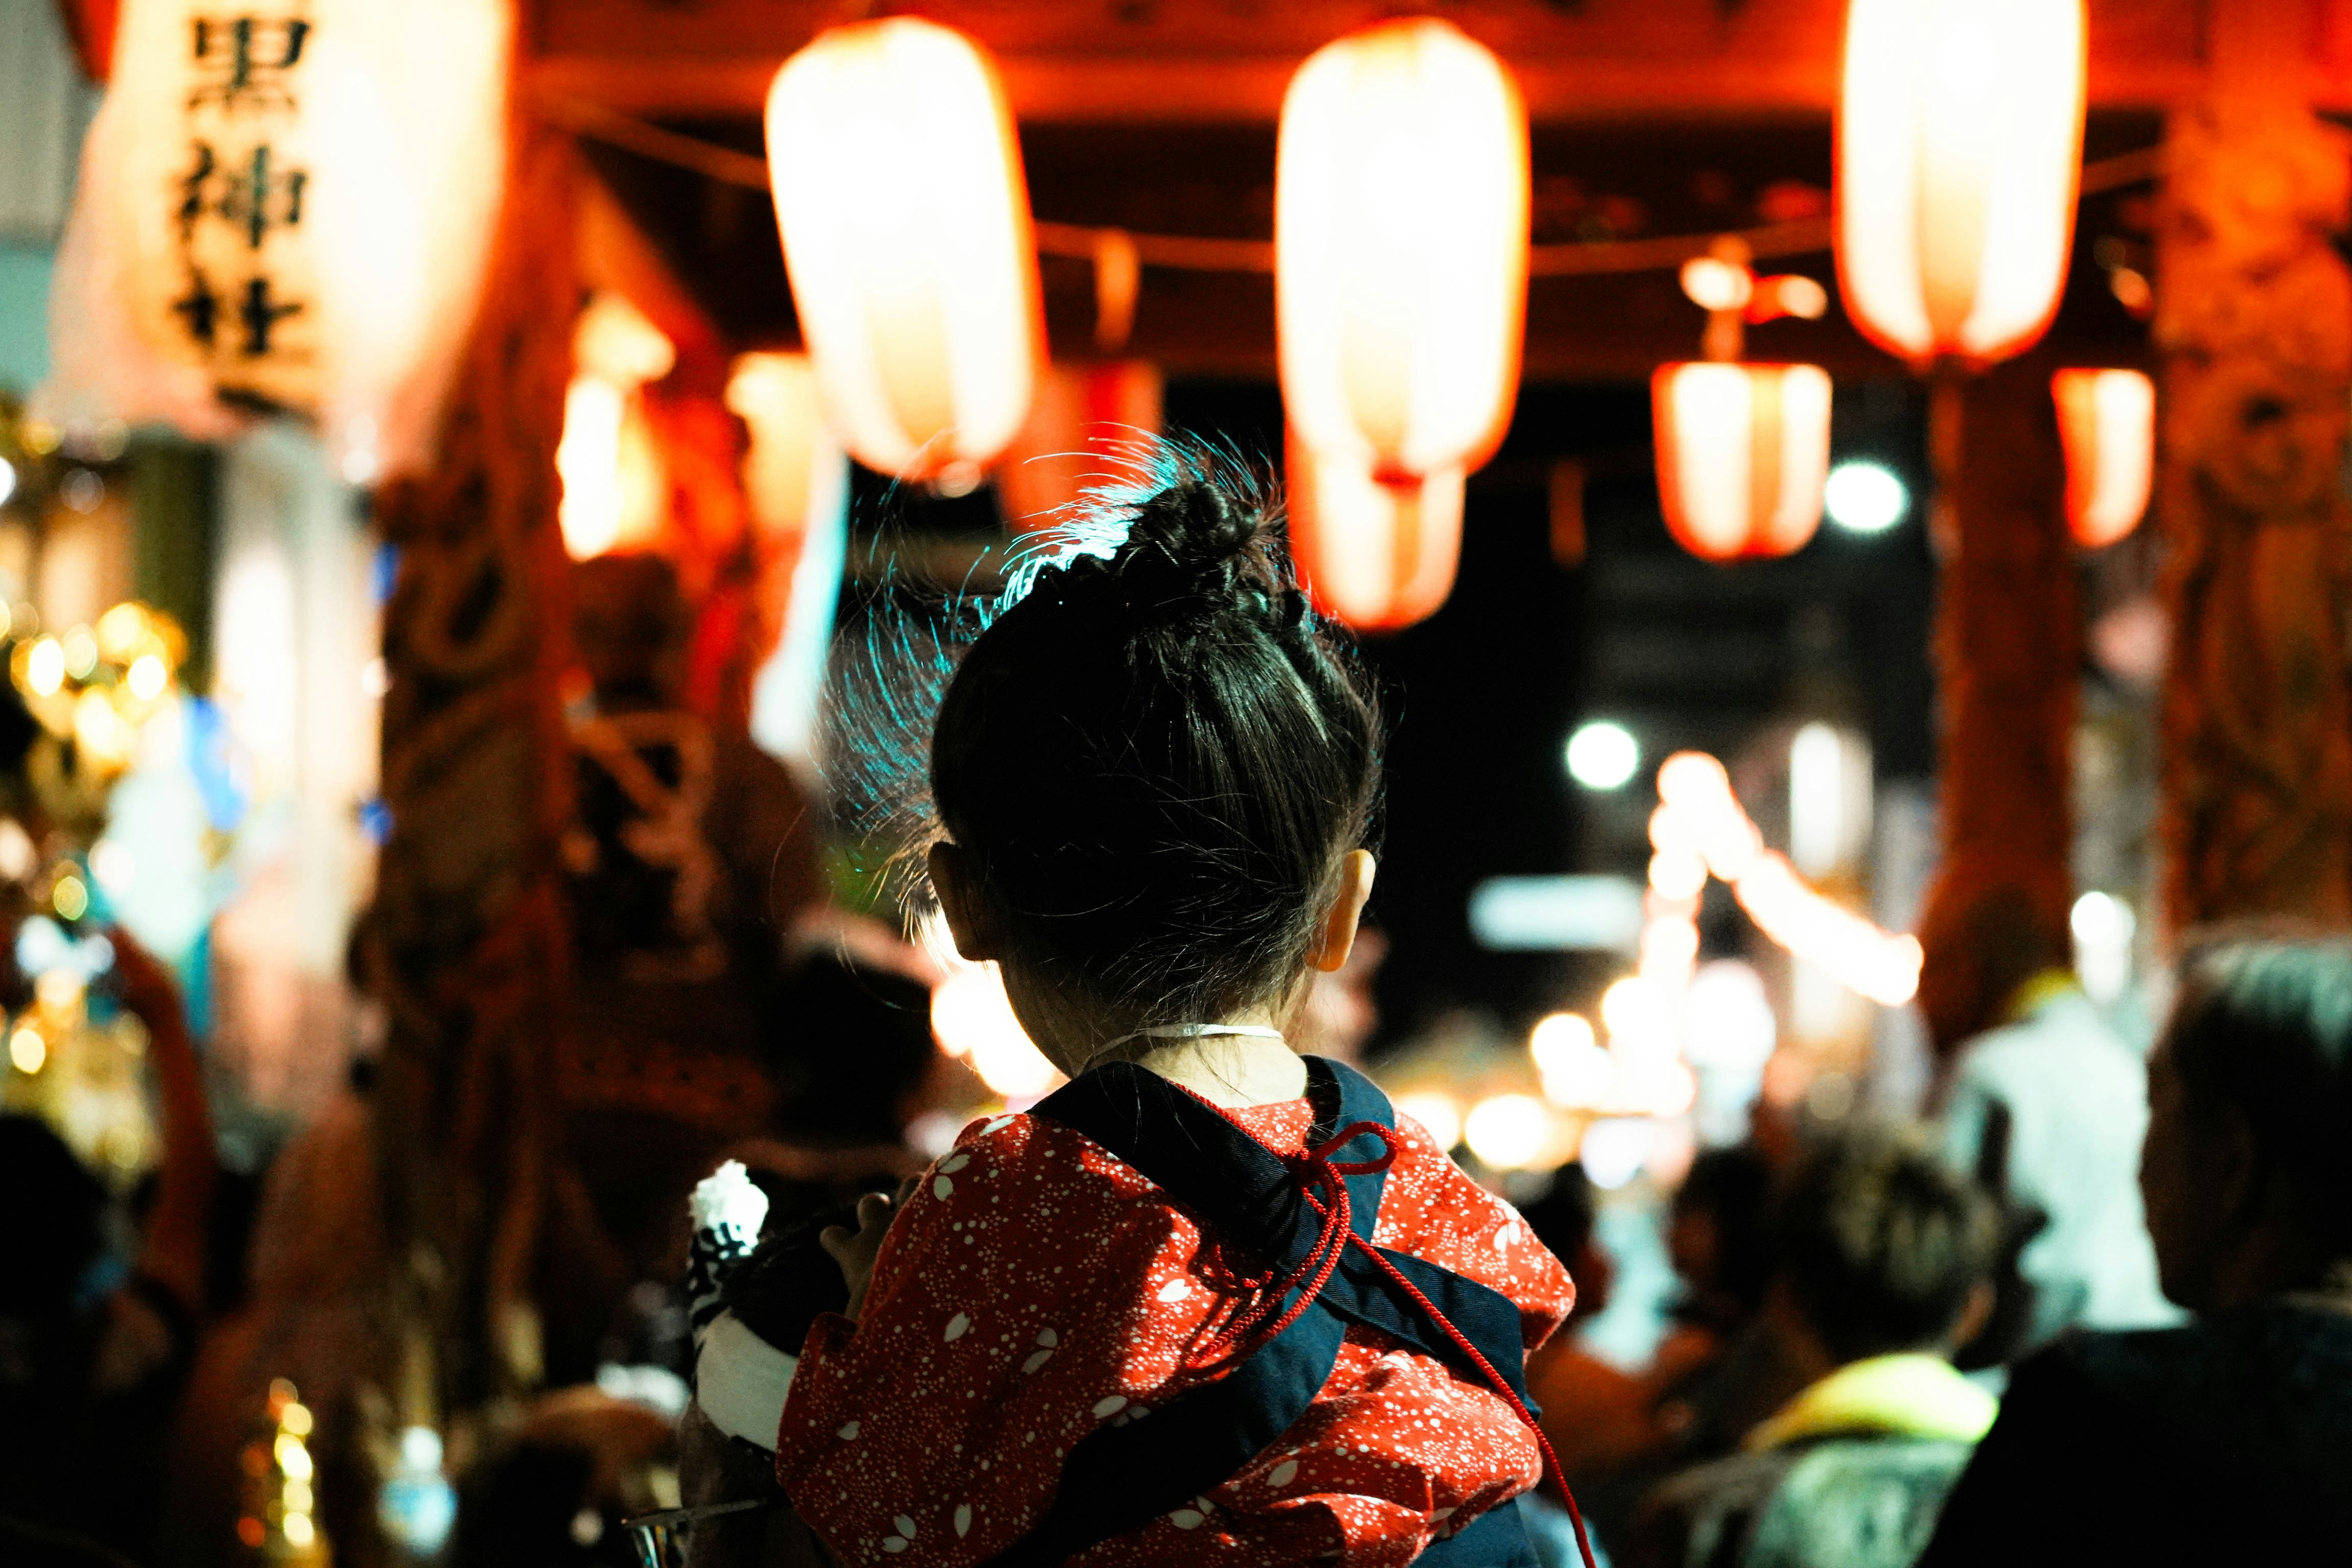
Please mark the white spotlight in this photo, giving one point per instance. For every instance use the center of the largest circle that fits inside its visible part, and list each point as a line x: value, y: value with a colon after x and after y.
x: 2104, y: 926
x: 1865, y: 498
x: 1603, y: 755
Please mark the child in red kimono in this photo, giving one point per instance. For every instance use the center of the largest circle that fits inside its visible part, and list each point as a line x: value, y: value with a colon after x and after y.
x: 1213, y: 1302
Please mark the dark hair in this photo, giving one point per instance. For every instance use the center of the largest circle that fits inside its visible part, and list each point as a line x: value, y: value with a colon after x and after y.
x: 2265, y: 1024
x: 853, y: 1045
x: 1564, y: 1218
x: 56, y: 1218
x: 1155, y: 758
x: 1732, y: 1186
x: 1882, y: 1243
x: 629, y: 618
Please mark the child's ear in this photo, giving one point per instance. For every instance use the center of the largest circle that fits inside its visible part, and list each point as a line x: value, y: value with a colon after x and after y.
x: 962, y: 903
x: 1336, y: 937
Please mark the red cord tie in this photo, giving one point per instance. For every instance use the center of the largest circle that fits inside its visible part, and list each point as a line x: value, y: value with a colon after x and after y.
x: 1322, y: 1181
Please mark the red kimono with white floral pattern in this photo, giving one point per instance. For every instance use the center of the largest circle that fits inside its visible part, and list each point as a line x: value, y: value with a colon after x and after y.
x: 1036, y: 1286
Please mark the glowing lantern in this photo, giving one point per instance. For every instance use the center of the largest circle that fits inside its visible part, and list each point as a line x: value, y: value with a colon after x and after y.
x: 797, y: 479
x: 906, y: 227
x: 793, y: 469
x: 2107, y: 419
x: 285, y: 207
x: 1377, y: 556
x: 1743, y: 451
x: 1401, y: 249
x: 1084, y: 418
x: 616, y: 486
x: 1959, y: 141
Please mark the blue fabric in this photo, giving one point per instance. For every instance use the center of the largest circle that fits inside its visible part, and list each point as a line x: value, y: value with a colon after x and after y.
x: 1119, y: 1478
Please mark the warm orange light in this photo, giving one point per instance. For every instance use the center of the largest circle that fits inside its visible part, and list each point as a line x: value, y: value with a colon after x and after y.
x: 1081, y: 432
x: 1400, y: 248
x: 793, y: 467
x: 1698, y: 810
x: 906, y: 227
x: 1743, y: 451
x: 289, y: 206
x: 615, y: 484
x: 1960, y: 142
x: 1377, y: 556
x: 2107, y: 420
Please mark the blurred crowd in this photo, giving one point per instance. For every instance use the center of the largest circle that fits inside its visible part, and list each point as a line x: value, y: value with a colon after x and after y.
x: 2098, y: 1308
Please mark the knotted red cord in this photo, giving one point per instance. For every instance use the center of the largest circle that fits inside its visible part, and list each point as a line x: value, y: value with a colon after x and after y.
x: 1321, y: 1182
x: 1315, y: 1172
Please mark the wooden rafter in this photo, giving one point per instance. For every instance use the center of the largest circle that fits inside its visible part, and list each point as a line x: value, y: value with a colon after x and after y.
x: 1196, y: 60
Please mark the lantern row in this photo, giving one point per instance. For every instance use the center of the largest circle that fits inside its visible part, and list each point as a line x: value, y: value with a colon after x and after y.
x: 290, y: 208
x: 1401, y: 249
x: 1743, y: 450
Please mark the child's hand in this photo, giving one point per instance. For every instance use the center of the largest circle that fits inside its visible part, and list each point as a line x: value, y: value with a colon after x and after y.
x: 855, y: 1250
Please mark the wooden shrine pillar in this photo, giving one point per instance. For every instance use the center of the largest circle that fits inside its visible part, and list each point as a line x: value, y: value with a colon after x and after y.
x: 2007, y: 649
x: 466, y: 940
x: 2254, y: 324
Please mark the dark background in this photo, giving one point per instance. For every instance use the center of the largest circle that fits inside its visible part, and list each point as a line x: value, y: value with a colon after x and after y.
x: 1482, y: 696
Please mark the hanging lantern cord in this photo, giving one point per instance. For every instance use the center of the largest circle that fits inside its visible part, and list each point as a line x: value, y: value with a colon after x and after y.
x: 1082, y: 242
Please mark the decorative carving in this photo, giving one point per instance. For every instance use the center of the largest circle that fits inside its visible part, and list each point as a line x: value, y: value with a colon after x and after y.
x: 2255, y: 319
x: 468, y: 945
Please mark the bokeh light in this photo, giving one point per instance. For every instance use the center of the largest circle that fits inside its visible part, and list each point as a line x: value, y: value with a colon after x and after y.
x: 1508, y: 1131
x: 1603, y: 754
x: 1865, y: 498
x: 1614, y: 1150
x: 1575, y: 1069
x: 972, y: 1019
x: 1439, y: 1113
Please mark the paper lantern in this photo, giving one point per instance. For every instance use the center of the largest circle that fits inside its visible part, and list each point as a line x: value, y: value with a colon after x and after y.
x: 796, y: 478
x: 1400, y: 248
x: 1377, y: 556
x: 2106, y: 419
x: 285, y: 206
x: 1743, y: 451
x: 1080, y: 432
x: 792, y: 466
x: 906, y: 227
x: 1960, y: 144
x: 615, y: 484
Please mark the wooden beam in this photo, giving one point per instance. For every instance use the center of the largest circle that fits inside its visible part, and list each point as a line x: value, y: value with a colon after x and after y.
x: 1202, y: 61
x: 1081, y: 88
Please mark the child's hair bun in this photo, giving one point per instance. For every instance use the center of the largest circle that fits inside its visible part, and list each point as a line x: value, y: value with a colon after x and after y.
x: 1189, y: 533
x: 1191, y: 549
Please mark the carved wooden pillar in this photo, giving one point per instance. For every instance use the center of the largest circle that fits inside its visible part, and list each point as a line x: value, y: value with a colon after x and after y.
x: 2008, y: 647
x: 467, y: 941
x: 2254, y: 322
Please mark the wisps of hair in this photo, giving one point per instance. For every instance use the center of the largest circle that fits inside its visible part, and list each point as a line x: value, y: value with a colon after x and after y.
x: 1145, y: 732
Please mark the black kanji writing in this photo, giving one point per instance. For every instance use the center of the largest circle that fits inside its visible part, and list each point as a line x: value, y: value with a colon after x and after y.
x: 199, y: 308
x: 257, y: 200
x: 253, y: 193
x: 194, y: 196
x: 247, y: 59
x: 260, y: 315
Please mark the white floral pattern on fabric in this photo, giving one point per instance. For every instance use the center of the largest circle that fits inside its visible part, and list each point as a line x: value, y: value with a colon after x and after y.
x: 1038, y: 1289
